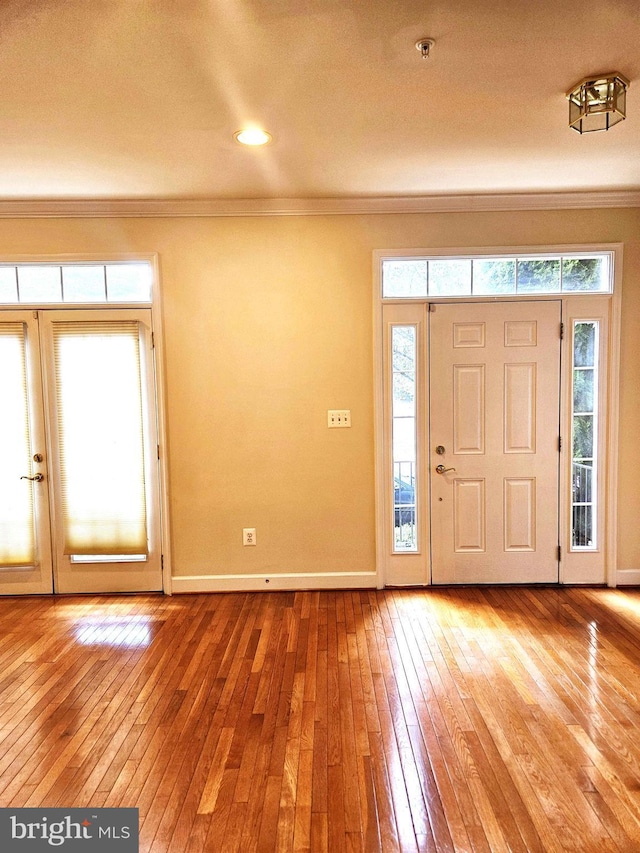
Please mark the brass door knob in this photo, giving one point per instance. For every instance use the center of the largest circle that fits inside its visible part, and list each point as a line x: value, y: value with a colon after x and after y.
x: 440, y: 469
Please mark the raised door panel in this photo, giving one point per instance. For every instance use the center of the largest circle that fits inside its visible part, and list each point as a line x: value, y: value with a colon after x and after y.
x: 519, y: 514
x: 468, y: 408
x: 520, y: 397
x: 469, y: 513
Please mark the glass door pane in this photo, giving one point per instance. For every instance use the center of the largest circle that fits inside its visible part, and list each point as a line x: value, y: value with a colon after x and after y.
x: 100, y: 392
x: 25, y: 553
x: 98, y: 401
x: 17, y: 533
x: 584, y: 436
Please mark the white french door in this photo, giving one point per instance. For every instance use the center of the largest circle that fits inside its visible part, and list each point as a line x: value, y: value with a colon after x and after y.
x: 79, y: 499
x: 25, y: 545
x: 494, y: 454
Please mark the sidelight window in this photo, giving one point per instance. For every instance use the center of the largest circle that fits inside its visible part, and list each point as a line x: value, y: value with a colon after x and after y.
x: 584, y: 435
x: 403, y: 411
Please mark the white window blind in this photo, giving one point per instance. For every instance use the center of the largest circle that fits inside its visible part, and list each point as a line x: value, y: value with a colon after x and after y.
x: 99, y: 411
x: 17, y: 535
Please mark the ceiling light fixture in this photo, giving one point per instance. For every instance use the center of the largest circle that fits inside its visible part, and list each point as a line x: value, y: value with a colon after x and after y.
x: 424, y: 46
x: 252, y: 136
x: 598, y: 102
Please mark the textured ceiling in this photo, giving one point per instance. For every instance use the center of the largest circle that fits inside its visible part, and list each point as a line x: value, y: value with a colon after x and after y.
x: 130, y: 99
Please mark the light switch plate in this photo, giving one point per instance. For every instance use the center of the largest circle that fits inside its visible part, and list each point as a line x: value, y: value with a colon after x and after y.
x: 338, y: 418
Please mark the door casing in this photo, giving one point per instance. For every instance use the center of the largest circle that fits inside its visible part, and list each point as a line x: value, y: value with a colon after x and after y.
x: 414, y: 569
x: 158, y: 370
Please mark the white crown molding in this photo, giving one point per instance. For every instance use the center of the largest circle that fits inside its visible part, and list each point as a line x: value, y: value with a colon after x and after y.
x: 154, y: 208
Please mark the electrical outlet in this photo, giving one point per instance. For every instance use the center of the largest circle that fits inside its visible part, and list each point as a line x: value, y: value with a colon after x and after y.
x: 248, y: 536
x: 338, y: 418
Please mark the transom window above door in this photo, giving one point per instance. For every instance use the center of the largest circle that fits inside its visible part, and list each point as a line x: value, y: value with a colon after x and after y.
x: 112, y: 283
x: 483, y: 275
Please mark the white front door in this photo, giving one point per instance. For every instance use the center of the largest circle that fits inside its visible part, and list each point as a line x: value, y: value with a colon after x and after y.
x: 494, y: 431
x: 79, y: 502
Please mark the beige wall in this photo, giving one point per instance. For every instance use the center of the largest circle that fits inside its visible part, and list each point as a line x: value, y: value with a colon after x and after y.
x: 268, y: 323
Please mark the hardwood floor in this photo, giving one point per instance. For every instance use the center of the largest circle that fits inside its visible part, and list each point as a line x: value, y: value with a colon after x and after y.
x: 472, y: 719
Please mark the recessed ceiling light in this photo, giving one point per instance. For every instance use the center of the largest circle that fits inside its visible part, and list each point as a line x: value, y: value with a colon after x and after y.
x: 252, y: 136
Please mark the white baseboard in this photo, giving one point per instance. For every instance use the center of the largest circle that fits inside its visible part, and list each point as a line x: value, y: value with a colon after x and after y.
x: 264, y: 583
x: 628, y: 577
x: 310, y: 581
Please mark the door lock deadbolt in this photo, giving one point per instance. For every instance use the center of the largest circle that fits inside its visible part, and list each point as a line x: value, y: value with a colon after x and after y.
x: 440, y: 450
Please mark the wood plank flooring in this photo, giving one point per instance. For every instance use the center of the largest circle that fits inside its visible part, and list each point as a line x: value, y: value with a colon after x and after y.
x: 470, y: 719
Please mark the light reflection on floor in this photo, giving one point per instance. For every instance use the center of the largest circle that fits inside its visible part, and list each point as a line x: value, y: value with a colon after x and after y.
x: 623, y: 599
x: 126, y: 631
